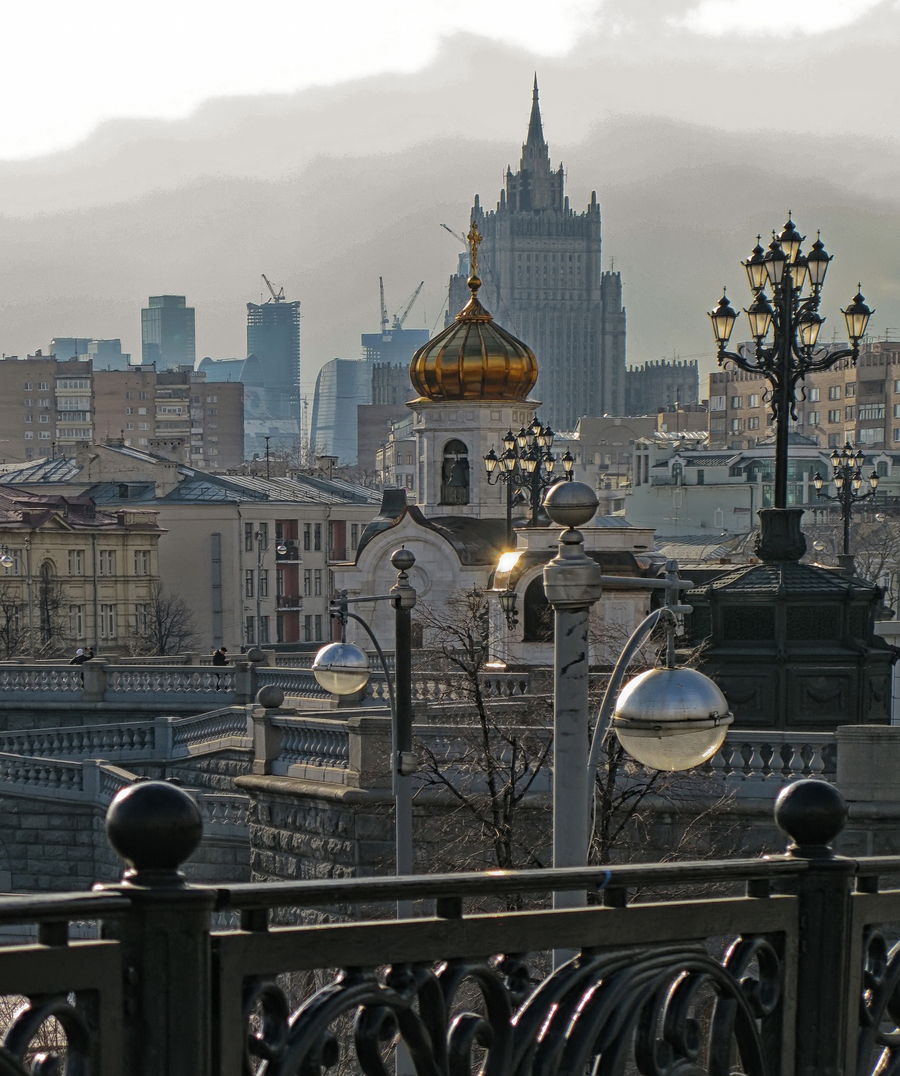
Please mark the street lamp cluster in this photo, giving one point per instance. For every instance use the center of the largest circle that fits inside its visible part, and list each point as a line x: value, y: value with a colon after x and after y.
x: 795, y: 280
x: 846, y: 474
x: 527, y: 465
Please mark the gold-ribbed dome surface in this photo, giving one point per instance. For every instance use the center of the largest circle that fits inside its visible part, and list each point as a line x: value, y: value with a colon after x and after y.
x: 474, y: 359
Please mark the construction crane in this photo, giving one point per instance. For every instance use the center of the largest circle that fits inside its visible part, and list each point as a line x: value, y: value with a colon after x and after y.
x: 278, y: 296
x: 456, y: 235
x: 384, y: 314
x: 398, y: 321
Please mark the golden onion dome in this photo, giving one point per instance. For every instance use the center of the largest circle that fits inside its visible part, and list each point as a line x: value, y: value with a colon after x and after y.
x: 474, y: 359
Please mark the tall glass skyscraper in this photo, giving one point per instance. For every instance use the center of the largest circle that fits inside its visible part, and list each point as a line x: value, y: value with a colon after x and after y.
x: 167, y: 333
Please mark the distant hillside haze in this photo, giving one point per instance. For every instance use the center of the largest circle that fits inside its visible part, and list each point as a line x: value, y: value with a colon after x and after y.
x: 327, y: 189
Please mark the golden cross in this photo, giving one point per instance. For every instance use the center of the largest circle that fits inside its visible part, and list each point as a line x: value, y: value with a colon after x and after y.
x: 474, y: 237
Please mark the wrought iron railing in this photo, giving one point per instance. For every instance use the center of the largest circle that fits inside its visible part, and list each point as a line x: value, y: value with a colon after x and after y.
x: 782, y: 966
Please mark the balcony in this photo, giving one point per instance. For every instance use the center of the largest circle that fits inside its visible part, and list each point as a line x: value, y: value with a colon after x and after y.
x: 284, y: 602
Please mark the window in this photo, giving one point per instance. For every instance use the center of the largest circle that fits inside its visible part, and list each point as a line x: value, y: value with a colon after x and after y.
x: 736, y: 402
x: 834, y: 416
x: 44, y: 386
x: 44, y: 435
x: 29, y: 418
x: 263, y: 535
x: 76, y: 621
x: 849, y: 412
x: 107, y: 562
x: 897, y: 386
x: 248, y: 537
x: 307, y: 531
x: 896, y: 410
x: 141, y: 618
x: 142, y: 562
x: 248, y: 583
x: 307, y: 582
x: 871, y: 411
x: 354, y: 535
x: 318, y: 626
x: 737, y: 425
x: 317, y: 583
x: 307, y: 629
x: 717, y: 403
x: 250, y: 629
x: 869, y: 436
x: 753, y: 400
x: 76, y: 562
x: 29, y: 385
x: 813, y: 395
x: 29, y: 436
x: 870, y: 388
x: 43, y: 418
x: 896, y: 433
x: 812, y: 418
x: 753, y: 422
x: 317, y: 536
x: 834, y: 392
x: 850, y: 390
x: 263, y: 629
x: 107, y: 622
x: 263, y: 584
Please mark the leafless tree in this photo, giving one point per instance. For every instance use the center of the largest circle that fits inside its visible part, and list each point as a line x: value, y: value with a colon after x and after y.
x: 165, y: 625
x: 491, y: 758
x: 874, y: 543
x: 14, y: 633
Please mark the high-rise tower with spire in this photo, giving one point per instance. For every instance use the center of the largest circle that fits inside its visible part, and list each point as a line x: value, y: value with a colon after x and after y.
x: 542, y: 275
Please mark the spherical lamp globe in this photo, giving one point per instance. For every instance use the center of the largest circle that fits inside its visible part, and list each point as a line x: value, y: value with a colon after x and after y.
x: 341, y: 668
x: 671, y: 719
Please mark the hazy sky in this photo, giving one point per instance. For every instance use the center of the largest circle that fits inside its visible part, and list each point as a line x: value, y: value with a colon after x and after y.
x: 187, y: 148
x: 69, y: 66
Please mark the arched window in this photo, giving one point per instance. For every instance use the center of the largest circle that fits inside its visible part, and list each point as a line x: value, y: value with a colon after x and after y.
x: 48, y: 602
x: 455, y: 473
x: 538, y: 614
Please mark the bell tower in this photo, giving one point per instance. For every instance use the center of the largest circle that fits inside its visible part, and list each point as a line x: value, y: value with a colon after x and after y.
x: 473, y: 381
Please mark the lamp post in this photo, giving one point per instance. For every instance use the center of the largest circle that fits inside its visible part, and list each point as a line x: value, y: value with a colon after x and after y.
x: 528, y: 465
x: 6, y: 558
x: 343, y: 668
x: 794, y: 319
x: 846, y: 474
x: 667, y: 718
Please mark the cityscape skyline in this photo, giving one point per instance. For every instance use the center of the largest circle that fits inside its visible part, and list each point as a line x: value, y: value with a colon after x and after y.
x: 201, y: 206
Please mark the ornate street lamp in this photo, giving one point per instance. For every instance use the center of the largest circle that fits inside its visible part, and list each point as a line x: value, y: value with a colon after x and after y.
x: 527, y: 466
x: 343, y: 669
x: 6, y: 559
x: 846, y: 474
x: 793, y: 317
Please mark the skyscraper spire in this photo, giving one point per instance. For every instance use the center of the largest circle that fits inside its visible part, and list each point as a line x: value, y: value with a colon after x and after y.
x: 535, y: 138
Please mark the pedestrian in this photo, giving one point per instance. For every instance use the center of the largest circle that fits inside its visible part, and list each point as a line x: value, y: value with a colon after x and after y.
x: 220, y: 656
x: 80, y: 657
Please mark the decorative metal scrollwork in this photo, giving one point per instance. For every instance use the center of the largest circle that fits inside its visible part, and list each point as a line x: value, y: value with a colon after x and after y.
x: 878, y: 1046
x: 668, y: 1011
x: 71, y: 1057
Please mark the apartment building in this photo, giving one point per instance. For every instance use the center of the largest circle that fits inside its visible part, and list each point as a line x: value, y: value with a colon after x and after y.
x: 73, y: 574
x: 858, y: 403
x: 48, y: 407
x: 252, y: 557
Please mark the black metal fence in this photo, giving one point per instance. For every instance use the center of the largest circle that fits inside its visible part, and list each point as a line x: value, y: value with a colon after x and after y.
x: 782, y: 965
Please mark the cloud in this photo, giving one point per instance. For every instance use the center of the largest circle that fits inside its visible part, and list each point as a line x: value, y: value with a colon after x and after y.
x: 764, y: 18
